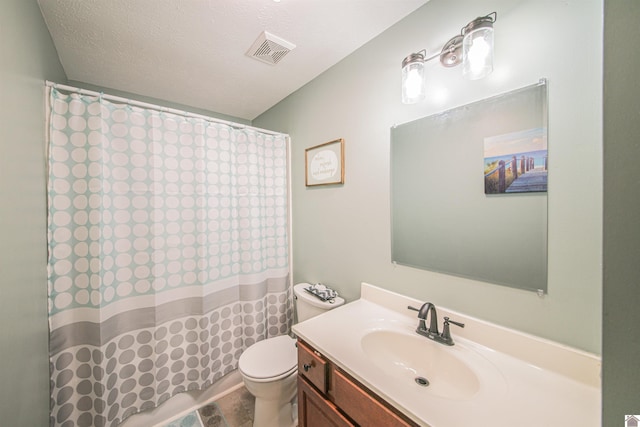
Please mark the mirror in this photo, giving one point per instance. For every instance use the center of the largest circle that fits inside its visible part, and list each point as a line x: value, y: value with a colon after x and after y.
x: 446, y: 214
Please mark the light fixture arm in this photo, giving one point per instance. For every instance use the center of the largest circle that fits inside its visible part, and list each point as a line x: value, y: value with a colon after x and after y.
x: 451, y: 46
x: 429, y: 58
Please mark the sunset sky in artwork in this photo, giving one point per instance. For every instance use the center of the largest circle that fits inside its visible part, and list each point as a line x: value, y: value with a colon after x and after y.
x: 516, y: 142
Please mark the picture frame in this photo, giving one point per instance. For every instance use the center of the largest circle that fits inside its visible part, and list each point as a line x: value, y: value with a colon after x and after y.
x: 324, y: 164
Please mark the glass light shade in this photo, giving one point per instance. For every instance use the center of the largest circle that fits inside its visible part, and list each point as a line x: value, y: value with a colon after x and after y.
x: 477, y: 52
x: 413, y: 89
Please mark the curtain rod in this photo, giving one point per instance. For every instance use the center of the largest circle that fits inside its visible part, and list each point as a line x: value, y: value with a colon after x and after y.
x: 157, y: 107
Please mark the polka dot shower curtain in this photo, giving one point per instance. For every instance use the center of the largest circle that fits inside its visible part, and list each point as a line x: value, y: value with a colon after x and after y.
x: 168, y: 254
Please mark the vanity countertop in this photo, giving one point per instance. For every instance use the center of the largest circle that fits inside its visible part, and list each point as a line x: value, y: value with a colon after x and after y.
x: 519, y: 379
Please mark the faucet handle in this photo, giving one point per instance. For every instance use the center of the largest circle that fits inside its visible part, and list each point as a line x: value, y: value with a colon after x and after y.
x: 447, y: 321
x: 446, y: 334
x: 410, y: 307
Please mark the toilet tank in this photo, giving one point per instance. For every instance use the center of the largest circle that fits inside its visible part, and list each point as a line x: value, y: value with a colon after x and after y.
x: 308, y: 305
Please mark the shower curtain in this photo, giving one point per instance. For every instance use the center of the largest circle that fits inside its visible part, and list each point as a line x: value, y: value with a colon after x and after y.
x: 168, y: 254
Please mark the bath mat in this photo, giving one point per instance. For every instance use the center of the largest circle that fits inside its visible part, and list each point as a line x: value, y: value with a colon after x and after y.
x: 211, y: 416
x: 189, y: 420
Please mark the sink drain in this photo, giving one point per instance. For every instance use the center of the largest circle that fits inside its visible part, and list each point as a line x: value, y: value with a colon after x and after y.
x: 422, y: 381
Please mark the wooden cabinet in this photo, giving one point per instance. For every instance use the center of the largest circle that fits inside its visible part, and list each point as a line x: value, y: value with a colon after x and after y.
x: 328, y: 396
x: 315, y: 411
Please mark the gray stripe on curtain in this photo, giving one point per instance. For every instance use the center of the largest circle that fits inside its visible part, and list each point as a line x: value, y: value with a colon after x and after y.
x: 95, y: 334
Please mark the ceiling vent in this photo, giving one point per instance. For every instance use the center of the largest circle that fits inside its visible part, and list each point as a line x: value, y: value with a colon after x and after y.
x: 269, y: 48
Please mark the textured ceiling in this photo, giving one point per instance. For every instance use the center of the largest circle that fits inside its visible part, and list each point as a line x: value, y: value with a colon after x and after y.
x: 192, y: 52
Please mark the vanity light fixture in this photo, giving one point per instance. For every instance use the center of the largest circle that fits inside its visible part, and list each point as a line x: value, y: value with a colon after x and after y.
x: 473, y: 47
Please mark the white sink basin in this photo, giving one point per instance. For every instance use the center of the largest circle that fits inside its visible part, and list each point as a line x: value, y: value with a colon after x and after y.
x: 414, y: 359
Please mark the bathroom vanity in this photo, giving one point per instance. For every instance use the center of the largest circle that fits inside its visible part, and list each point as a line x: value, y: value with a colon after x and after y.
x: 364, y: 364
x: 328, y: 396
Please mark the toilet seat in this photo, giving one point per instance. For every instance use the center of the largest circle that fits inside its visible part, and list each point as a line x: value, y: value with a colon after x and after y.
x: 270, y: 359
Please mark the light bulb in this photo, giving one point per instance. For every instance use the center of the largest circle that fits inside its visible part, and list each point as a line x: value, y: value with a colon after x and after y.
x: 477, y: 48
x: 413, y: 79
x: 478, y: 55
x: 413, y: 84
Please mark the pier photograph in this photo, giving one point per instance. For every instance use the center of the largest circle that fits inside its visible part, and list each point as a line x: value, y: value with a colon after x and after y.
x: 516, y: 162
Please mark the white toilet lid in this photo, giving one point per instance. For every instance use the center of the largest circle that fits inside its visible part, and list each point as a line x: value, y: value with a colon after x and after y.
x: 269, y: 358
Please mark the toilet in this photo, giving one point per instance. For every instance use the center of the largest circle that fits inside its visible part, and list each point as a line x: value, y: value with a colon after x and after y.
x: 269, y: 367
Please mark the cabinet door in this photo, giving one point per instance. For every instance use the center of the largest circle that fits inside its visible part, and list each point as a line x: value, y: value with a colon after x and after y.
x: 315, y: 411
x: 361, y: 406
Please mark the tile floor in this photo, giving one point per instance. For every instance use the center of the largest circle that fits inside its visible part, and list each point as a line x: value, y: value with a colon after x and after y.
x: 232, y: 410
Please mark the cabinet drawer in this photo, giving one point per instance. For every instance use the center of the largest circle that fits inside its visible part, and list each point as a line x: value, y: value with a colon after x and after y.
x: 361, y: 407
x: 312, y: 366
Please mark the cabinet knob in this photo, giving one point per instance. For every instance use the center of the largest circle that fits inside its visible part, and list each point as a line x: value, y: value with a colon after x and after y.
x: 308, y: 366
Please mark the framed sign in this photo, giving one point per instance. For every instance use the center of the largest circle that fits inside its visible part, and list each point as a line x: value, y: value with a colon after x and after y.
x: 324, y: 163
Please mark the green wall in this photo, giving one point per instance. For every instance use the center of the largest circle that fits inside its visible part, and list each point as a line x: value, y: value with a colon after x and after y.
x: 27, y: 59
x: 621, y: 320
x: 341, y: 234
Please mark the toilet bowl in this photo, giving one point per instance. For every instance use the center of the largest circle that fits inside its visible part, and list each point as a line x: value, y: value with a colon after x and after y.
x: 269, y: 367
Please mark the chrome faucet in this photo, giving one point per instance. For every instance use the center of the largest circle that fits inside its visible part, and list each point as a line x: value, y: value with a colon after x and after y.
x: 428, y: 309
